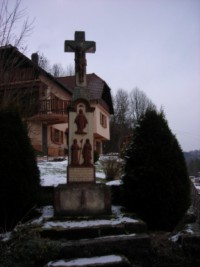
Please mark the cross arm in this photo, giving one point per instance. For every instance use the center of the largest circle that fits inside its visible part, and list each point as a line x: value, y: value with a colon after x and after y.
x: 70, y: 46
x: 90, y: 47
x: 85, y: 46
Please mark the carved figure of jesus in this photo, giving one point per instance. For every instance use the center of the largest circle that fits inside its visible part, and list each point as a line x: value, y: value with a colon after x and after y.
x: 80, y: 64
x: 80, y: 47
x: 81, y: 122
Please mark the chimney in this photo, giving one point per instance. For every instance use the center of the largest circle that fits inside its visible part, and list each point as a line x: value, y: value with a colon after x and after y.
x: 35, y: 58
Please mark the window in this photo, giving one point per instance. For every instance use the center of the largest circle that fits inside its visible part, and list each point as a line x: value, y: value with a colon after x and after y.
x: 56, y: 136
x: 103, y: 120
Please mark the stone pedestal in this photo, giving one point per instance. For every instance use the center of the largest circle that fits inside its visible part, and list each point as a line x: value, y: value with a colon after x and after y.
x: 82, y: 199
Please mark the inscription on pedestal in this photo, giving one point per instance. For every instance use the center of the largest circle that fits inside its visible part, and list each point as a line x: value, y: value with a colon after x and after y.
x: 76, y: 175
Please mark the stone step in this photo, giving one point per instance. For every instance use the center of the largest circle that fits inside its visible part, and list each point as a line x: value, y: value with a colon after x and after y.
x: 106, y: 261
x: 75, y: 231
x: 134, y: 247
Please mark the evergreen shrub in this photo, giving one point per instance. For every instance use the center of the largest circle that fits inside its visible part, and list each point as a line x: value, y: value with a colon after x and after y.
x: 19, y: 174
x: 156, y: 183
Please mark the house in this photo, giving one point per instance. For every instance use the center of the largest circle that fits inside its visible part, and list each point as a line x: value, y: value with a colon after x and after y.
x: 43, y: 101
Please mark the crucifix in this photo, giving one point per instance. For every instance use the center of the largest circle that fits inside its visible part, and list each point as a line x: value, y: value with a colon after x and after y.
x: 81, y: 195
x: 79, y: 46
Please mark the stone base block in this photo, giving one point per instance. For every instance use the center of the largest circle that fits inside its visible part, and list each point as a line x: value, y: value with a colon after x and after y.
x: 82, y: 199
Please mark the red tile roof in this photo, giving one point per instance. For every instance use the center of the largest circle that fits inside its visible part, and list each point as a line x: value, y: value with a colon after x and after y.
x: 99, y: 90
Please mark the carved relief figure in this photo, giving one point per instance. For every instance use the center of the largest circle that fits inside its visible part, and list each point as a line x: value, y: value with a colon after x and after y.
x: 75, y: 153
x: 87, y: 153
x: 81, y: 122
x: 80, y: 64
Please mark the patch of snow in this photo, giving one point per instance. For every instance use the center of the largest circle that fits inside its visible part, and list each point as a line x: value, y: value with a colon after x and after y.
x: 5, y: 236
x: 116, y: 210
x: 88, y: 261
x: 53, y: 173
x: 119, y: 219
x: 188, y: 230
x: 197, y: 187
x: 111, y: 156
x: 87, y: 223
x: 115, y: 182
x: 100, y: 175
x: 46, y: 213
x: 175, y: 238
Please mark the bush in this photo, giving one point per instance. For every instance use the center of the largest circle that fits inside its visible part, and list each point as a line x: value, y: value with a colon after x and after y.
x: 112, y: 166
x: 156, y: 182
x: 19, y: 174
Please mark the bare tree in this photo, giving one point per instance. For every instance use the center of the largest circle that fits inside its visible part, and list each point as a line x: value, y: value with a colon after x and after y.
x: 58, y: 71
x: 15, y: 27
x: 120, y: 123
x: 70, y: 70
x: 10, y: 20
x: 121, y: 106
x: 128, y: 108
x: 43, y: 62
x: 138, y: 104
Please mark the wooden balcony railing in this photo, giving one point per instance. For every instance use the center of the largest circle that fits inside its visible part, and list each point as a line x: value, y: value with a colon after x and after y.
x: 55, y: 106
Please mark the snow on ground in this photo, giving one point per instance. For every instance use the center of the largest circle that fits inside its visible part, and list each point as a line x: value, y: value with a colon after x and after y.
x: 188, y: 230
x: 198, y: 188
x: 86, y: 223
x: 88, y: 261
x: 53, y: 173
x: 115, y: 182
x: 5, y: 236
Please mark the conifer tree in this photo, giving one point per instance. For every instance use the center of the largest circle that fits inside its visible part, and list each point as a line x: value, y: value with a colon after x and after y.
x: 156, y: 182
x: 19, y: 174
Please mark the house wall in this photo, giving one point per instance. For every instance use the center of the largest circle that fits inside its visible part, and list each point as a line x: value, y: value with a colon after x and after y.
x: 101, y: 123
x: 54, y: 149
x: 35, y: 134
x: 53, y: 88
x: 99, y: 129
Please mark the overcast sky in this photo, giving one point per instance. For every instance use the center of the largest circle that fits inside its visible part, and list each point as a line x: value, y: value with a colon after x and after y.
x: 150, y: 44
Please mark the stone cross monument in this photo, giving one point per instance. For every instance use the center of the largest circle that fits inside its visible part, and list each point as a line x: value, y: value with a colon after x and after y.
x: 81, y: 131
x: 81, y: 195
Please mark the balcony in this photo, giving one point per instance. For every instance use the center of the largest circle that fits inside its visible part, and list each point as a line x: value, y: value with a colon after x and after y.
x: 56, y: 106
x: 51, y: 111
